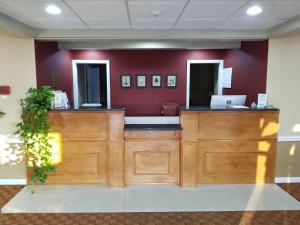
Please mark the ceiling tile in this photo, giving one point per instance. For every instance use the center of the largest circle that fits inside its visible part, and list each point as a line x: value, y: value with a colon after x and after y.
x: 248, y: 24
x: 211, y: 10
x: 36, y: 9
x: 197, y: 24
x: 157, y: 1
x: 20, y: 17
x: 107, y: 23
x: 100, y: 9
x: 63, y: 23
x: 152, y: 24
x: 143, y: 10
x: 272, y: 9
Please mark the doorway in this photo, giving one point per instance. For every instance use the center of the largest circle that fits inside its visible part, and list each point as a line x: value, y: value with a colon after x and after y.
x: 204, y: 79
x: 91, y: 83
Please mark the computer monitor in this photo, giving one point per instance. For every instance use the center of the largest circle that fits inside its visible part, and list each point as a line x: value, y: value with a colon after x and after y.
x: 227, y: 100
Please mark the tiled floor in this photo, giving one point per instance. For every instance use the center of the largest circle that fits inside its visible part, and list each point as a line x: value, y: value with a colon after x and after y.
x: 149, y: 198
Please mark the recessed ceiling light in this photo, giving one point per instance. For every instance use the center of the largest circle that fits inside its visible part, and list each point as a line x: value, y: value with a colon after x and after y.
x: 155, y: 13
x: 53, y: 9
x: 254, y: 10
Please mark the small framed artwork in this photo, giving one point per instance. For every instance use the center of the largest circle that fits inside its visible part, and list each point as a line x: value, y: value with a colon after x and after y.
x: 141, y: 81
x: 171, y: 81
x: 125, y: 80
x: 156, y: 80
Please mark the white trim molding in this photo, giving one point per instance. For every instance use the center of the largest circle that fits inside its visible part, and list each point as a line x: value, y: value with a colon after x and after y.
x: 288, y: 138
x: 280, y: 180
x: 220, y: 76
x: 75, y: 79
x: 13, y: 182
x: 152, y: 120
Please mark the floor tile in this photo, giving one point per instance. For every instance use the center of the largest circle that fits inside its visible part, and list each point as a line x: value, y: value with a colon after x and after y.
x: 149, y: 198
x: 39, y: 199
x: 152, y: 198
x: 95, y: 198
x: 265, y: 197
x: 210, y: 198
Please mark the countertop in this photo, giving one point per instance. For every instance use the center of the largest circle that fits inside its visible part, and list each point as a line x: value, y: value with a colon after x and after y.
x: 207, y: 108
x: 154, y: 127
x: 93, y: 109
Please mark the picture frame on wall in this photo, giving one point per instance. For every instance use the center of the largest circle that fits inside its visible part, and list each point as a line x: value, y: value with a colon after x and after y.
x: 141, y: 81
x: 156, y: 80
x: 125, y: 80
x: 171, y: 80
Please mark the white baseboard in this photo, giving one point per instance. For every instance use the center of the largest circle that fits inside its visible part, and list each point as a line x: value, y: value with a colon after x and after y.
x: 13, y: 182
x: 289, y: 138
x: 287, y: 180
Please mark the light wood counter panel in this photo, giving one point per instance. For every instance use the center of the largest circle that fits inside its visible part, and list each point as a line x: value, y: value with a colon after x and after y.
x: 236, y: 161
x: 116, y: 164
x: 228, y: 146
x: 189, y: 164
x: 152, y: 162
x: 238, y: 125
x: 152, y: 135
x: 189, y: 124
x: 152, y: 156
x: 79, y: 125
x: 88, y: 147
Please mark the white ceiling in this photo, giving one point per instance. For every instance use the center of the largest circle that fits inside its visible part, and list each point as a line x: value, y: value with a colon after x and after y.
x: 137, y: 14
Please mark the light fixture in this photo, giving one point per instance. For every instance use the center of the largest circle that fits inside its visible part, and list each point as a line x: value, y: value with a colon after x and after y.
x: 254, y: 10
x: 155, y: 13
x: 53, y: 9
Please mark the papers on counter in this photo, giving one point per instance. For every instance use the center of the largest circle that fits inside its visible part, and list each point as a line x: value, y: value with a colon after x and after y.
x: 239, y: 107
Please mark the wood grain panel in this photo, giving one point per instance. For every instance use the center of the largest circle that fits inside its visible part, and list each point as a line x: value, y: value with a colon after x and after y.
x: 81, y: 162
x: 152, y: 161
x: 79, y: 125
x: 189, y: 164
x: 238, y: 125
x: 116, y: 164
x: 236, y: 161
x: 116, y: 126
x: 154, y: 135
x: 189, y: 124
x: 88, y: 147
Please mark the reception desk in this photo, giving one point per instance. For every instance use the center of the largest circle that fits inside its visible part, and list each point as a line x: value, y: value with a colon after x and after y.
x: 208, y: 146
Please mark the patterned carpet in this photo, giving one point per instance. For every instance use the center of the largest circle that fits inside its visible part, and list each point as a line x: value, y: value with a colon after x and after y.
x: 178, y: 218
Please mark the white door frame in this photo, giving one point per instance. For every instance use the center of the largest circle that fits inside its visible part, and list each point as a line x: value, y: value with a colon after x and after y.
x: 75, y: 79
x: 220, y: 77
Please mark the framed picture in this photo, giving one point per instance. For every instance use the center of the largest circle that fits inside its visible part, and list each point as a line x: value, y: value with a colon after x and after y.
x: 141, y: 81
x: 171, y: 81
x: 125, y: 80
x: 156, y: 80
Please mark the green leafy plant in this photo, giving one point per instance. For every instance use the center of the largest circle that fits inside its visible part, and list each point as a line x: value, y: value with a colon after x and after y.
x: 1, y: 114
x: 34, y: 130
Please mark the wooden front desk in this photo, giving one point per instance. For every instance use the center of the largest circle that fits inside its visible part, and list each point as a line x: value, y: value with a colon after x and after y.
x: 214, y: 146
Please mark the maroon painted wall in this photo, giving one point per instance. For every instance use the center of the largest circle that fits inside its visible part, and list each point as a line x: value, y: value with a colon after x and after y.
x: 249, y: 65
x: 249, y: 72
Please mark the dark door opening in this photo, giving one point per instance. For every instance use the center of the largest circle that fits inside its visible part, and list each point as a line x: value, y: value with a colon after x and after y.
x: 92, y: 87
x: 203, y: 83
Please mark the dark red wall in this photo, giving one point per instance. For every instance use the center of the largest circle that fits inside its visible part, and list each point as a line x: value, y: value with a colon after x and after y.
x: 249, y: 72
x: 249, y: 65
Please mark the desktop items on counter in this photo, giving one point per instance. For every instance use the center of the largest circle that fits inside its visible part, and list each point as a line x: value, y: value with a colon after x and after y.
x: 234, y: 101
x: 60, y: 100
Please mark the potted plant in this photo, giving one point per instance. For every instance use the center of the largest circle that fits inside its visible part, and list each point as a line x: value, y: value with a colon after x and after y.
x: 34, y: 130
